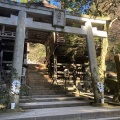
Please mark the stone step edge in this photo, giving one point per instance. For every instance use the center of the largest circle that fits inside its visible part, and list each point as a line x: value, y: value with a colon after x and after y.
x: 66, y: 113
x: 53, y: 105
x: 108, y: 118
x: 51, y: 99
x: 79, y: 116
x: 42, y: 96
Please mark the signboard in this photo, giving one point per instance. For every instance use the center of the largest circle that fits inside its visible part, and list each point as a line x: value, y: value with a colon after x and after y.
x: 15, y: 87
x: 100, y: 86
x: 59, y: 18
x: 66, y: 73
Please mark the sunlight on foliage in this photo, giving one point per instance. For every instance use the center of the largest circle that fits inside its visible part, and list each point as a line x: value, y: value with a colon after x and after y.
x: 37, y: 53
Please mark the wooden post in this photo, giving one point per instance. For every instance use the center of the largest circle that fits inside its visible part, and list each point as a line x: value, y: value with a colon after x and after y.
x: 117, y: 61
x: 55, y: 58
x: 55, y: 67
x: 18, y: 51
x: 3, y: 29
x: 116, y: 97
x: 93, y: 62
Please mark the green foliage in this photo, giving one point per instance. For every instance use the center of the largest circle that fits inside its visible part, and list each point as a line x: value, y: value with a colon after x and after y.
x: 97, y: 7
x: 4, y: 97
x: 37, y: 53
x: 114, y: 48
x: 24, y: 90
x: 111, y: 85
x: 103, y: 7
x: 73, y: 5
x: 8, y: 77
x: 74, y: 47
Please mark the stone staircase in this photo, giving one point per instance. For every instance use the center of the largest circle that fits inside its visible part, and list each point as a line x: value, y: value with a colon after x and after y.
x: 46, y: 103
x: 51, y: 101
x: 44, y: 94
x: 39, y: 83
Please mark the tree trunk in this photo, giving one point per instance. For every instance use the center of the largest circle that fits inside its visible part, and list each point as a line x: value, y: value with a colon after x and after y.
x: 102, y: 67
x: 116, y: 97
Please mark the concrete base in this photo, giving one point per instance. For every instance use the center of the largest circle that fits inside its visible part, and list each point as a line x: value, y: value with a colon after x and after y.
x: 99, y: 104
x: 64, y: 113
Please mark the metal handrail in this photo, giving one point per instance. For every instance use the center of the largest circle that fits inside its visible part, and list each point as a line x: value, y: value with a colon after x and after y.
x: 8, y: 33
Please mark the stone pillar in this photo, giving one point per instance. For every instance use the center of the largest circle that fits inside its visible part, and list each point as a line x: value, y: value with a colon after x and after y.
x: 93, y: 62
x: 18, y: 50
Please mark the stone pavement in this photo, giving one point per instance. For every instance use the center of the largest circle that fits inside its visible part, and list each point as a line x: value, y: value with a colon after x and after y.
x: 64, y: 113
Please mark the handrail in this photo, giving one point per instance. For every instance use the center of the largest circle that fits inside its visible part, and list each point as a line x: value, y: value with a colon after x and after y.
x: 7, y: 33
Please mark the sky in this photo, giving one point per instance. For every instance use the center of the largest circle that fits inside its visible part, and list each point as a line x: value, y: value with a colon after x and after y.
x: 58, y: 4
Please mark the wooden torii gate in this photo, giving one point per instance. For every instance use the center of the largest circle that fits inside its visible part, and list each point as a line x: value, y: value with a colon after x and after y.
x: 22, y: 16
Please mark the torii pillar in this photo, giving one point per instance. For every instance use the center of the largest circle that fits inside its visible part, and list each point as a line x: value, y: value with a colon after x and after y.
x: 93, y: 63
x: 18, y: 51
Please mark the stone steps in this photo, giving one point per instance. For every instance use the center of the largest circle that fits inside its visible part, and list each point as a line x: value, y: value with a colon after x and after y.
x: 50, y: 92
x: 49, y: 99
x: 41, y: 96
x: 109, y: 118
x: 38, y: 89
x: 55, y: 104
x: 37, y: 79
x: 38, y: 83
x: 65, y: 113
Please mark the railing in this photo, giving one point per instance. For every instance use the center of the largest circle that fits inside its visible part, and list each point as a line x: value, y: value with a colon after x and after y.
x: 7, y: 34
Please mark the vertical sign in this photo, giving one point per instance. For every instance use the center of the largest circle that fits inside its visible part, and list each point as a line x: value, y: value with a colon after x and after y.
x: 59, y: 18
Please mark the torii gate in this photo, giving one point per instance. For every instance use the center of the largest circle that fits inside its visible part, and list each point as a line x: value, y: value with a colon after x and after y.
x: 59, y: 18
